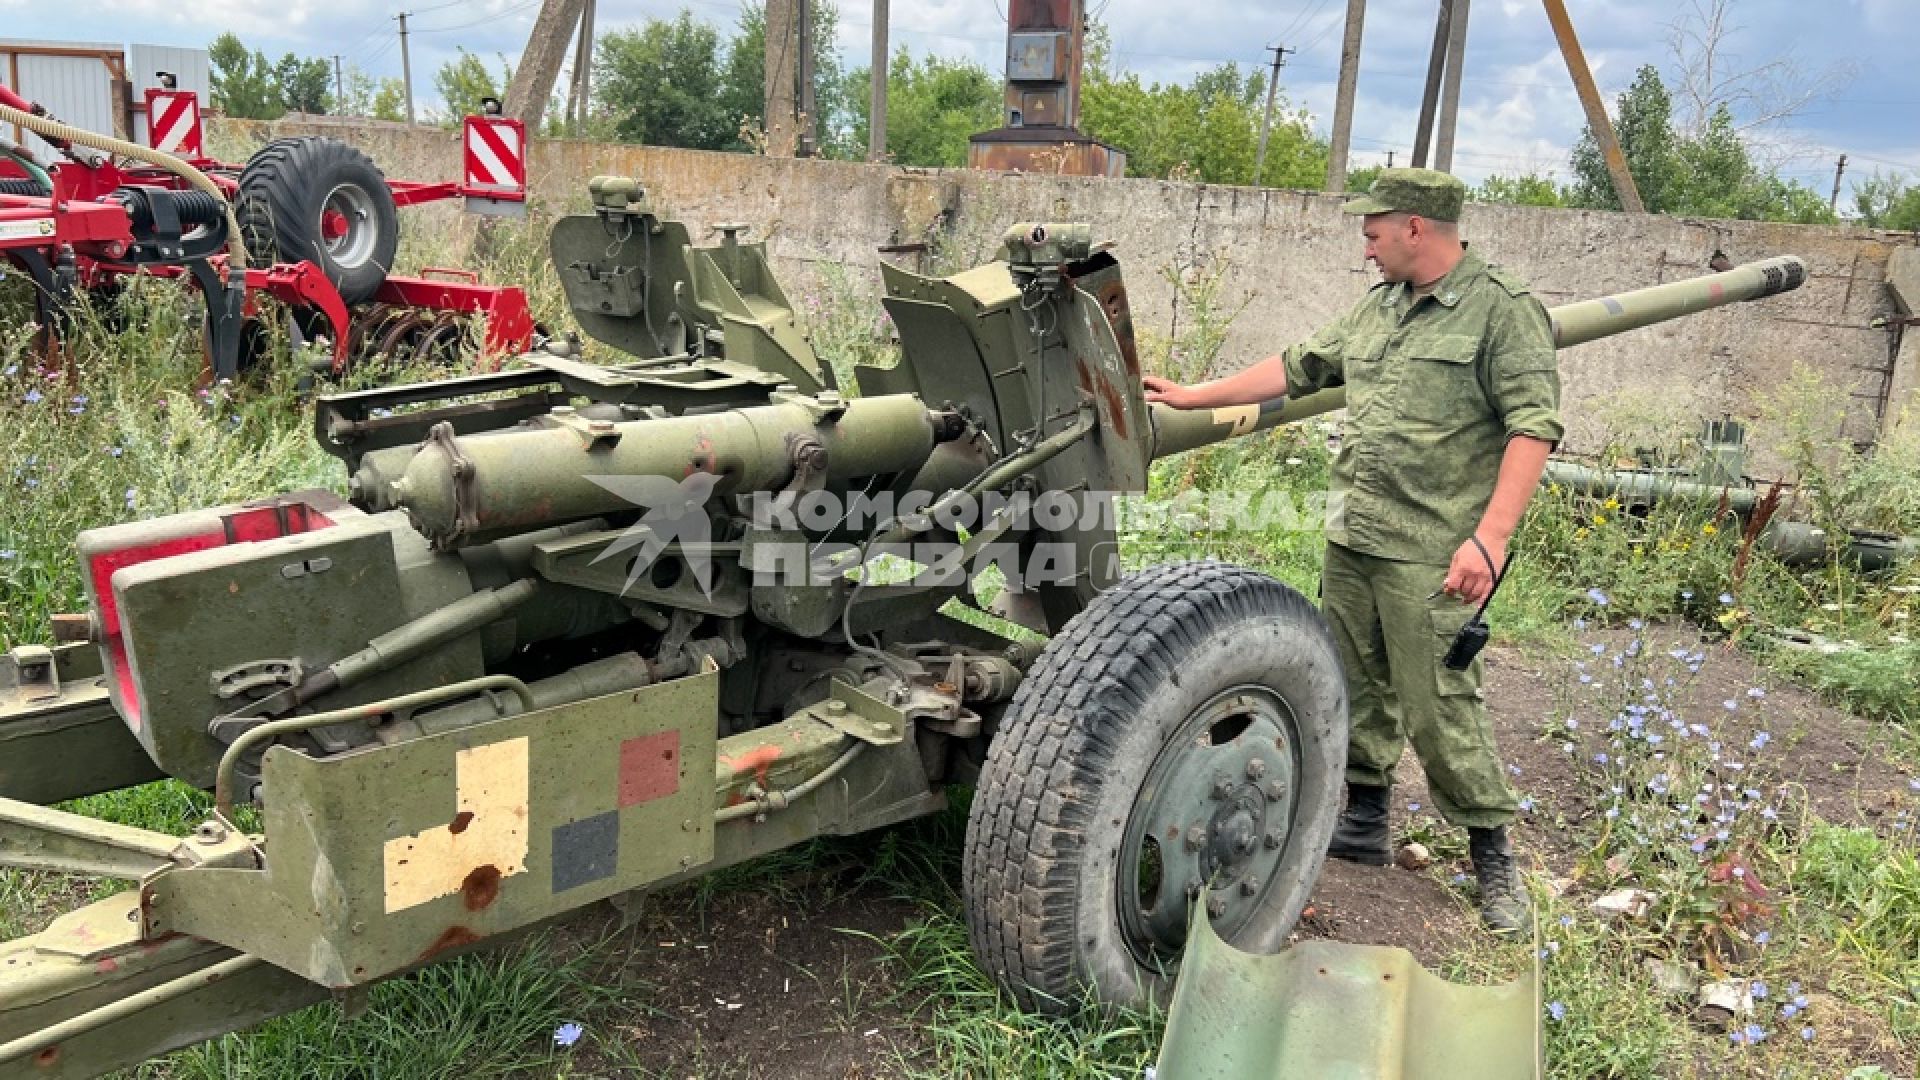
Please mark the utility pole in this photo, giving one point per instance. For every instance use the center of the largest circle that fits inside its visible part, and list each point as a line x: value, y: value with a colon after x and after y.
x: 540, y: 62
x: 339, y: 86
x: 1266, y: 122
x: 580, y: 87
x: 809, y: 127
x: 1839, y: 167
x: 781, y: 48
x: 1450, y: 86
x: 1343, y: 97
x: 1389, y: 159
x: 406, y: 64
x: 877, y: 105
x: 1597, y: 122
x: 1430, y: 97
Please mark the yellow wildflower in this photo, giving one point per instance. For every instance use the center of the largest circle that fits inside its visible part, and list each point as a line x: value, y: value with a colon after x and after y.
x: 1580, y: 533
x: 1599, y: 519
x: 1708, y: 529
x: 1611, y: 504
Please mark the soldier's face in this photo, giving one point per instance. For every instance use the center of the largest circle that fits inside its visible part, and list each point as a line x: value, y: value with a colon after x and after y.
x: 1390, y: 244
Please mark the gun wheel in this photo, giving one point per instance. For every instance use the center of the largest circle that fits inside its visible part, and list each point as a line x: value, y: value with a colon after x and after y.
x: 1188, y: 728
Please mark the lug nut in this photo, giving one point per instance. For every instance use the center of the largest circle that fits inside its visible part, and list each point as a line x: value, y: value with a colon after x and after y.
x: 1193, y: 888
x: 1249, y: 886
x: 1256, y: 769
x: 1216, y: 906
x: 1273, y: 841
x: 1275, y: 790
x: 1222, y: 787
x: 1196, y: 838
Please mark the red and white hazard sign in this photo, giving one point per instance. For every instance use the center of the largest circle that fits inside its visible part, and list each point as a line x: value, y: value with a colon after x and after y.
x: 496, y: 152
x: 173, y: 122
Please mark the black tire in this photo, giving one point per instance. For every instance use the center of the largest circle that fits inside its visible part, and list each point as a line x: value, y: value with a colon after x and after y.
x: 1100, y: 753
x: 289, y: 194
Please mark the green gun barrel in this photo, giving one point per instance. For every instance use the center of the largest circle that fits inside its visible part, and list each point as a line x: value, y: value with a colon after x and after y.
x: 1177, y: 430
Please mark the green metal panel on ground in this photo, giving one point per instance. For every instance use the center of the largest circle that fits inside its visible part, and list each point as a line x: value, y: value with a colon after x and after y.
x: 1331, y: 1011
x: 387, y: 858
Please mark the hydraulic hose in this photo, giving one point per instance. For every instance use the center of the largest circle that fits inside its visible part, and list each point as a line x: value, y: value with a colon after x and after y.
x: 53, y: 129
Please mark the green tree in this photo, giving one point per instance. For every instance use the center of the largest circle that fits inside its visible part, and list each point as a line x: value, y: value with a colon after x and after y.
x: 304, y: 85
x: 1887, y: 202
x: 1361, y: 180
x: 389, y: 101
x: 933, y: 105
x: 1643, y: 123
x: 1529, y: 189
x: 243, y: 83
x: 662, y: 85
x: 464, y: 80
x: 1207, y: 130
x: 1710, y: 173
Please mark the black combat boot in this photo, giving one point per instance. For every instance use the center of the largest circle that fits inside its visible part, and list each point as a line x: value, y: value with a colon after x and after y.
x: 1361, y: 835
x: 1503, y: 899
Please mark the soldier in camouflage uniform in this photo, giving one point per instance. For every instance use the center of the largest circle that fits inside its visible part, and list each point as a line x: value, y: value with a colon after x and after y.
x: 1452, y: 408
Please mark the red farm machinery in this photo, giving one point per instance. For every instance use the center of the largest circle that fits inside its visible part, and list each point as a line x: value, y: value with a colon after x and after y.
x: 308, y: 221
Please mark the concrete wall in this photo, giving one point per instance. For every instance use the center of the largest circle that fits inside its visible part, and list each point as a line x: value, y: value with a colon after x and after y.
x: 1286, y: 261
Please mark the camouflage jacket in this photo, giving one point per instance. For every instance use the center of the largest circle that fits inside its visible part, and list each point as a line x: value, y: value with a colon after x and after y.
x: 1435, y: 388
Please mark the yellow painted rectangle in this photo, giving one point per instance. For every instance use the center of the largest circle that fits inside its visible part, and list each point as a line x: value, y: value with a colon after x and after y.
x: 485, y: 833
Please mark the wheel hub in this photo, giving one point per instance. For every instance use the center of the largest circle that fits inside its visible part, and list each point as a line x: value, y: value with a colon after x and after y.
x: 1215, y: 811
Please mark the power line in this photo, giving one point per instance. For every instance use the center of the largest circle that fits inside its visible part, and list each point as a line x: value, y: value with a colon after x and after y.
x: 480, y: 21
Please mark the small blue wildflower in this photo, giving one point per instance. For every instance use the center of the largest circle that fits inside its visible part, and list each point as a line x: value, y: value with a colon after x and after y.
x: 1756, y: 693
x: 1598, y: 647
x: 8, y: 554
x: 1597, y: 597
x: 568, y: 1033
x: 1730, y: 705
x: 1585, y: 678
x: 12, y: 370
x: 1566, y: 920
x: 1557, y: 1011
x: 1726, y: 598
x: 1514, y: 769
x: 1760, y: 739
x: 33, y: 397
x: 115, y: 451
x: 1686, y: 594
x: 1612, y: 812
x: 1600, y: 759
x: 1526, y: 805
x: 1413, y: 807
x: 1759, y: 988
x: 1579, y: 624
x: 1789, y: 1011
x: 1635, y: 624
x: 1755, y: 1033
x: 1762, y: 938
x: 1655, y: 740
x: 131, y: 494
x: 1769, y: 813
x: 1806, y: 1033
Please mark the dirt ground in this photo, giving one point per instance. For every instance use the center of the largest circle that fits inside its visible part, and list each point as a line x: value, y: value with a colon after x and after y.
x: 798, y: 985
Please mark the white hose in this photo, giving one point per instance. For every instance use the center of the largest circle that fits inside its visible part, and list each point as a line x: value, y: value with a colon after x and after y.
x: 53, y: 129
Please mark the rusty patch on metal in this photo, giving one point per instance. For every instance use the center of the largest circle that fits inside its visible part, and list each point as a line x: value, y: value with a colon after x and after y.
x: 460, y: 822
x: 1113, y: 298
x: 455, y: 937
x: 47, y: 1058
x: 481, y: 888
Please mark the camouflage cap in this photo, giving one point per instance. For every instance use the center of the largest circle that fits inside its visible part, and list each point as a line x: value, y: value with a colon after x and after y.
x: 1426, y: 192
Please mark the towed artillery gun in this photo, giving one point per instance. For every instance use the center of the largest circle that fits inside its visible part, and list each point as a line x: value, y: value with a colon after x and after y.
x: 583, y: 631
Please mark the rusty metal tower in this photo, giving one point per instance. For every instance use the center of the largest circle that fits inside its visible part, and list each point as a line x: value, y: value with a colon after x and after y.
x: 1044, y: 57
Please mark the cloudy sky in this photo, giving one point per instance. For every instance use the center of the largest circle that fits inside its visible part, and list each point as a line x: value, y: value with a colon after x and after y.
x: 1518, y: 108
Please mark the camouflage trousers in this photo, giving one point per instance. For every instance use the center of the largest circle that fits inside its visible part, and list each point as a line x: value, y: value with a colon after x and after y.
x: 1391, y: 639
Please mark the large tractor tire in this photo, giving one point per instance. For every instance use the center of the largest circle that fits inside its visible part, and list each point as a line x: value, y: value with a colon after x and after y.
x: 320, y: 201
x: 1188, y: 728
